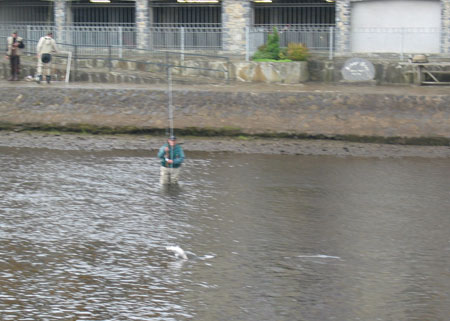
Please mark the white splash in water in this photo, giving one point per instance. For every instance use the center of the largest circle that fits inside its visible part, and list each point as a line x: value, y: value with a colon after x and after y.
x: 319, y: 256
x: 178, y: 251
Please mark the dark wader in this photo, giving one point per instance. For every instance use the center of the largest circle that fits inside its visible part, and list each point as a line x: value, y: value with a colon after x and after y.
x: 14, y: 60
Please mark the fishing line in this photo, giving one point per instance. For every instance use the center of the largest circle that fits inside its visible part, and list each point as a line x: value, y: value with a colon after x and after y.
x: 170, y: 111
x: 170, y: 107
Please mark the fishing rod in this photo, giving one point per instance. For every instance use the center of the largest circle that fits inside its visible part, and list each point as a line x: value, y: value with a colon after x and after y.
x: 170, y: 107
x: 170, y: 111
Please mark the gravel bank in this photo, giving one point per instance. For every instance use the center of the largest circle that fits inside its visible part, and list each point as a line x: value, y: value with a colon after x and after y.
x: 250, y: 146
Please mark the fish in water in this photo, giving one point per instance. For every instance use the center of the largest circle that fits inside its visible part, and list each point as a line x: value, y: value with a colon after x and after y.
x: 178, y: 251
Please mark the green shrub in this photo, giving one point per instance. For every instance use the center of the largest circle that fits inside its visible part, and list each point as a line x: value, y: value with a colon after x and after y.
x: 262, y: 55
x: 295, y: 52
x: 273, y: 44
x: 262, y: 48
x: 270, y: 50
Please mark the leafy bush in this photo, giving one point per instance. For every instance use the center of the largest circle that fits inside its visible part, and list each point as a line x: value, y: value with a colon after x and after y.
x: 262, y: 55
x: 273, y: 44
x: 295, y: 52
x: 271, y: 50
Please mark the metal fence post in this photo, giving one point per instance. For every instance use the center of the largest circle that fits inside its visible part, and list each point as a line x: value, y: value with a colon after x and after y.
x: 28, y: 36
x: 182, y: 43
x: 170, y: 99
x: 150, y: 36
x: 247, y: 43
x: 120, y: 42
x: 75, y: 62
x: 330, y: 55
x: 109, y: 58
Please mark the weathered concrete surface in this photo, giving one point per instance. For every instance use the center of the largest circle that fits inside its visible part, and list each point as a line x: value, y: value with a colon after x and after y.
x: 388, y: 70
x: 271, y: 72
x: 329, y: 111
x: 96, y: 70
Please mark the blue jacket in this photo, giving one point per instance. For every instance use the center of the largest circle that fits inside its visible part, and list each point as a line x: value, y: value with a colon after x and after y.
x: 176, y: 154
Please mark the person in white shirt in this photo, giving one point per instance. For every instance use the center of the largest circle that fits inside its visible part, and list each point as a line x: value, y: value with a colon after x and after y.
x: 45, y: 48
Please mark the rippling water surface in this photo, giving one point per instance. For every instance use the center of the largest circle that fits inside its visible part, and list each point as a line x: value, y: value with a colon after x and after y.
x: 83, y: 236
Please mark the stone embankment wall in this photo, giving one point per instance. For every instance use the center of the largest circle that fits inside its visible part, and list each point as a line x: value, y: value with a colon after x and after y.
x: 387, y: 70
x: 233, y: 110
x: 97, y: 71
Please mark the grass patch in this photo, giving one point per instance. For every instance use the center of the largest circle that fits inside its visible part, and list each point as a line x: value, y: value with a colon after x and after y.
x: 235, y: 132
x: 227, y: 131
x: 242, y: 137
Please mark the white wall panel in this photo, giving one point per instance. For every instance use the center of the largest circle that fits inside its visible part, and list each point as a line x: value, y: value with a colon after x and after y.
x: 401, y: 26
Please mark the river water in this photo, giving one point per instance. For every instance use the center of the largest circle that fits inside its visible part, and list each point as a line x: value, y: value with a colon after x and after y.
x: 83, y: 236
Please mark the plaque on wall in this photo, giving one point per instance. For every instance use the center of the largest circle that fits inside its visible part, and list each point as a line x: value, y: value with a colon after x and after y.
x: 358, y: 69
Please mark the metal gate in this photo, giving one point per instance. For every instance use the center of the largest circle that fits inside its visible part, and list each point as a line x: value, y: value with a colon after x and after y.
x: 26, y: 12
x: 172, y: 14
x: 184, y: 38
x: 315, y: 38
x: 294, y: 12
x: 117, y: 13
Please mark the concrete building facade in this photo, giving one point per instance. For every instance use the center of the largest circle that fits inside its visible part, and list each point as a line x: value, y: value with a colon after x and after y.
x: 351, y: 25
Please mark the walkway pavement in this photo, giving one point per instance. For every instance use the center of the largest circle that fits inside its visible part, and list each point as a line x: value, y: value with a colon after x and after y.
x: 252, y: 87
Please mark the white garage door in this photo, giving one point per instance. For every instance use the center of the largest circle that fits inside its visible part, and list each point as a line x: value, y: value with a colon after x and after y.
x: 399, y: 26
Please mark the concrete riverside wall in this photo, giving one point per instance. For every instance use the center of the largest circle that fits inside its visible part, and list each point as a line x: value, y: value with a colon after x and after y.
x: 270, y: 72
x: 387, y: 71
x: 96, y: 70
x: 242, y: 111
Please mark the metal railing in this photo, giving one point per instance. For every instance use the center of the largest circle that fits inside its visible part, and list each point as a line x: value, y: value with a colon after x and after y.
x: 399, y: 41
x: 184, y: 38
x: 96, y: 40
x: 315, y: 38
x: 159, y: 38
x: 98, y: 36
x: 173, y: 38
x: 77, y: 35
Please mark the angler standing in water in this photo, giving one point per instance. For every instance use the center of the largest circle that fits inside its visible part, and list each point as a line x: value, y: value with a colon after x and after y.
x: 172, y: 156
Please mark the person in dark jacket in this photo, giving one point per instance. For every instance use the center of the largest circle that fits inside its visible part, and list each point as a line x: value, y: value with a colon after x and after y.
x: 172, y: 156
x: 13, y: 52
